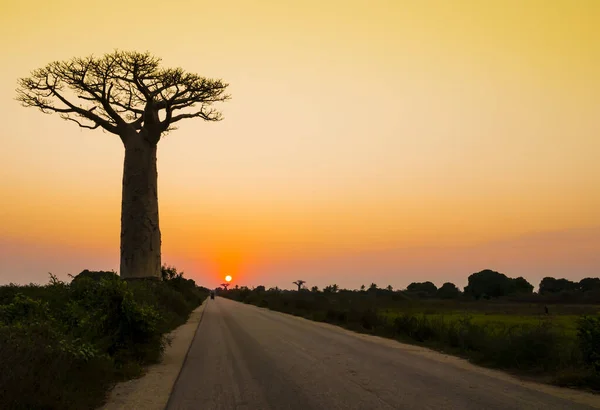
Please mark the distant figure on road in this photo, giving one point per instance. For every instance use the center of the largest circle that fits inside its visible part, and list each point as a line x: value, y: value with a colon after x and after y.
x: 212, y: 294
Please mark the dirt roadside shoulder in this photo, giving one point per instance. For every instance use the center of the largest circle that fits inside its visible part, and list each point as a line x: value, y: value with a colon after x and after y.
x: 152, y: 391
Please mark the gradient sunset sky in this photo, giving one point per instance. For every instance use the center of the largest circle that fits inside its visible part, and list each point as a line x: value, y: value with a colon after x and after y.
x: 366, y: 141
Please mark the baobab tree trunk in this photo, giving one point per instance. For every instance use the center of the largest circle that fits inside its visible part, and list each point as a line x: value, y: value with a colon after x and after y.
x: 140, y: 232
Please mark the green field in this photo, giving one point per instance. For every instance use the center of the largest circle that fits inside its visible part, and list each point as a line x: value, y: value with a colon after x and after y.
x: 562, y: 317
x: 496, y: 314
x: 566, y: 322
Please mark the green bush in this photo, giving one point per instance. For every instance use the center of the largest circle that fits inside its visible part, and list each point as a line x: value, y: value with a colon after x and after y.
x: 588, y: 334
x: 45, y: 369
x: 63, y: 345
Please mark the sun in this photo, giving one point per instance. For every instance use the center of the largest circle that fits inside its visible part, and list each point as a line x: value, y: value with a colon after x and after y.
x: 228, y: 278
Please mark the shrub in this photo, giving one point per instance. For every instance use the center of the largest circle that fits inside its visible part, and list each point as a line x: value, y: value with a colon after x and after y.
x: 45, y: 369
x: 588, y: 334
x: 529, y: 347
x: 62, y: 345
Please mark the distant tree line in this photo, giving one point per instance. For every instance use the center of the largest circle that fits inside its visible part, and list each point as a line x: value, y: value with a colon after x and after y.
x: 486, y: 284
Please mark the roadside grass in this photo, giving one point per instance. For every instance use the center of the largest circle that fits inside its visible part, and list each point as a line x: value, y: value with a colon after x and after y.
x: 561, y: 348
x: 63, y: 345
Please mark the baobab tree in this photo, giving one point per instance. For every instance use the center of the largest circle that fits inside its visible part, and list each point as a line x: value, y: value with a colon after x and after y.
x: 130, y: 95
x: 225, y: 285
x: 299, y: 283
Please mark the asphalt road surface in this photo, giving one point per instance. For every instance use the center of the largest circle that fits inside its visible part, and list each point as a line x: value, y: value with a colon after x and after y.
x: 244, y: 357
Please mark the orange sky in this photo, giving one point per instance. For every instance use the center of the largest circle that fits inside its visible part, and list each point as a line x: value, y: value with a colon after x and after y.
x: 366, y: 141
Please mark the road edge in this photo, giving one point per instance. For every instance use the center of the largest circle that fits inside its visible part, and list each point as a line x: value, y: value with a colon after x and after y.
x: 153, y: 390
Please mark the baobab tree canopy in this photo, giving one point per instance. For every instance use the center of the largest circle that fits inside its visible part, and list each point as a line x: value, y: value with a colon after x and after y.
x: 130, y: 95
x: 122, y: 91
x: 299, y: 283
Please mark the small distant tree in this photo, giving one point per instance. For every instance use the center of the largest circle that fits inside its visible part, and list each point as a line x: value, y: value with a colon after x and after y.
x: 520, y: 285
x: 362, y: 288
x: 130, y: 95
x: 225, y: 285
x: 373, y: 287
x: 259, y: 288
x: 390, y: 288
x: 552, y: 285
x: 299, y: 283
x: 448, y: 291
x: 488, y: 283
x: 331, y: 288
x: 314, y: 289
x: 424, y: 288
x: 589, y: 284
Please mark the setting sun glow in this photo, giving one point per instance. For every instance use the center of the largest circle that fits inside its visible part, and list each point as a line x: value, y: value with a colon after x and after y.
x: 386, y: 142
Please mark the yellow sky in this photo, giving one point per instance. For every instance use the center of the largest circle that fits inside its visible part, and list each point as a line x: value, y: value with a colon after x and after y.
x: 355, y: 127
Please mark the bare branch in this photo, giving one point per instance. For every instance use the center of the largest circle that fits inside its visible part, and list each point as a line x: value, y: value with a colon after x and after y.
x: 120, y: 91
x: 207, y: 115
x: 91, y: 127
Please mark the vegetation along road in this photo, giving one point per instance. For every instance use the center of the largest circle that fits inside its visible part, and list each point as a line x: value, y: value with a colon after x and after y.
x: 245, y: 357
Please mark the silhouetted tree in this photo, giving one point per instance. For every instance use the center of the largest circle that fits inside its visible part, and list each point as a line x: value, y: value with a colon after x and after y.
x: 489, y: 283
x: 225, y: 285
x: 448, y: 291
x: 362, y: 288
x: 390, y: 288
x: 331, y: 288
x: 423, y: 288
x: 259, y: 288
x: 169, y: 272
x: 299, y: 283
x: 373, y: 286
x: 130, y: 95
x: 589, y: 284
x: 314, y: 289
x: 552, y: 285
x: 520, y: 285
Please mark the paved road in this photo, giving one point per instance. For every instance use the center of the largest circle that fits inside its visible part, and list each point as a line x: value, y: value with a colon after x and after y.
x: 244, y: 357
